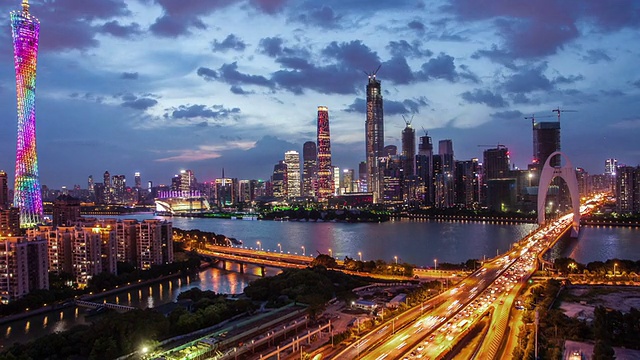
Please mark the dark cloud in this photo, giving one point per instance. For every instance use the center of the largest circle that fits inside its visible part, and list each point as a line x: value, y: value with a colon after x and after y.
x: 323, y: 17
x: 508, y: 115
x: 541, y: 30
x: 496, y: 55
x: 636, y: 83
x: 240, y: 91
x: 168, y: 26
x: 480, y: 96
x: 268, y: 6
x: 443, y: 68
x: 140, y: 103
x: 271, y: 46
x: 595, y: 56
x: 294, y: 63
x: 520, y: 98
x: 330, y: 79
x: 207, y: 74
x: 568, y: 79
x: 129, y: 76
x: 612, y: 93
x: 354, y: 54
x: 229, y: 73
x: 231, y: 42
x: 403, y: 48
x: 528, y: 80
x: 397, y: 70
x: 201, y: 111
x: 123, y: 31
x: 416, y: 25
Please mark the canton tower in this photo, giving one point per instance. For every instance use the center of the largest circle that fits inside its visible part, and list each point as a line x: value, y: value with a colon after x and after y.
x: 325, y: 170
x: 25, y: 29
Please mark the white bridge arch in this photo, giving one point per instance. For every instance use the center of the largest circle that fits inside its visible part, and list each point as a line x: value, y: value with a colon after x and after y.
x: 568, y: 173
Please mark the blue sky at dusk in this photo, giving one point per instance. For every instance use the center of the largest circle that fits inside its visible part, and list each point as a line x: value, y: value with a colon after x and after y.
x: 157, y: 86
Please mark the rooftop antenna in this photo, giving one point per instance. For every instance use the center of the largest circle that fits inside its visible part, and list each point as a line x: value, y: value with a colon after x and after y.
x: 25, y: 6
x: 373, y: 73
x: 408, y: 122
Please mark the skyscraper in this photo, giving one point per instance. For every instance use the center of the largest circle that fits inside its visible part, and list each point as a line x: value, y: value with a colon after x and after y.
x: 27, y: 191
x: 325, y: 170
x: 445, y: 150
x: 310, y: 168
x: 546, y: 141
x: 374, y: 137
x: 279, y: 180
x: 4, y: 190
x: 292, y: 160
x: 499, y: 180
x: 424, y: 169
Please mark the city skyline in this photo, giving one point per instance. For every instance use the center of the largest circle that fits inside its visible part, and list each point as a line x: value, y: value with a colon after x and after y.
x: 154, y: 87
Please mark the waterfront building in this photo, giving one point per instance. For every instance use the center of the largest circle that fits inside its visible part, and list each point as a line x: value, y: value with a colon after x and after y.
x: 546, y: 141
x: 362, y: 177
x: 86, y: 255
x: 336, y: 181
x: 392, y: 180
x: 187, y: 180
x: 628, y: 189
x: 246, y: 191
x: 150, y: 243
x: 348, y: 181
x: 584, y: 182
x: 374, y: 137
x: 499, y: 180
x: 175, y: 202
x: 226, y: 191
x: 466, y: 184
x: 25, y: 30
x: 610, y: 171
x: 447, y: 176
x: 310, y: 168
x: 292, y: 161
x: 279, y: 180
x: 325, y: 170
x: 424, y: 170
x: 408, y: 149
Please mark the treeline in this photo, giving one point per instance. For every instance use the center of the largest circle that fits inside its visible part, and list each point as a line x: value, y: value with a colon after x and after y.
x: 372, y: 267
x: 614, y: 328
x: 117, y: 334
x: 198, y: 238
x: 622, y: 267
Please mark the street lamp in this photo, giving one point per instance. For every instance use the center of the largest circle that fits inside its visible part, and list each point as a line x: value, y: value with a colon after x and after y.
x: 530, y: 176
x: 330, y: 253
x: 280, y: 247
x: 435, y: 264
x: 360, y: 255
x: 303, y: 254
x: 395, y: 257
x: 614, y: 268
x: 259, y: 245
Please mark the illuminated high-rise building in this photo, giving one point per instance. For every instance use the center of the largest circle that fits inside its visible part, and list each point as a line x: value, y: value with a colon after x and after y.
x: 374, y: 137
x: 610, y: 167
x: 325, y: 170
x: 137, y: 180
x: 292, y: 160
x: 27, y: 191
x: 310, y: 168
x: 409, y: 149
x: 546, y: 141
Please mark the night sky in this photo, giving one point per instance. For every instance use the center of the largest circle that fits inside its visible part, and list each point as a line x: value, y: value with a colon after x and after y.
x: 157, y: 86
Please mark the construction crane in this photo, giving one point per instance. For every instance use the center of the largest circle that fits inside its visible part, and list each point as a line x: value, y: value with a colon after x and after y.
x: 408, y: 122
x: 558, y: 110
x: 533, y: 118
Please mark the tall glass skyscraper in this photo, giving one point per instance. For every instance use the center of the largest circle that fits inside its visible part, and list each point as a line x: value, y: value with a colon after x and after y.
x: 374, y: 137
x: 325, y: 170
x: 310, y: 168
x: 292, y: 160
x: 25, y: 29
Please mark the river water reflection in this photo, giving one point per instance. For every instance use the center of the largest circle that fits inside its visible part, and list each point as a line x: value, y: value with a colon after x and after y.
x: 416, y: 242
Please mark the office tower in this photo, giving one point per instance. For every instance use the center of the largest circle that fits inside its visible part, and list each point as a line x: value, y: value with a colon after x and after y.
x: 374, y: 137
x: 348, y: 181
x: 467, y: 187
x: 390, y: 150
x: 279, y: 180
x: 362, y: 177
x: 408, y: 149
x: 325, y: 170
x: 438, y: 181
x: 424, y: 170
x: 584, y: 182
x: 4, y: 191
x: 119, y: 185
x: 149, y: 243
x: 27, y: 192
x: 106, y: 179
x: 392, y: 179
x: 90, y: 183
x: 292, y: 160
x: 188, y: 181
x: 336, y: 181
x: 546, y: 141
x: 137, y: 180
x: 610, y: 171
x: 445, y: 150
x: 499, y: 180
x: 310, y: 168
x: 246, y: 191
x: 66, y: 211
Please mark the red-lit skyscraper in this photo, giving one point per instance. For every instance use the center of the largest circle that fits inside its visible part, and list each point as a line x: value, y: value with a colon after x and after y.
x: 325, y: 170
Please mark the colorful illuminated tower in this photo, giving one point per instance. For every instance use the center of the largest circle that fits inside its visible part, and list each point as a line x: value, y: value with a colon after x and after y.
x: 325, y: 170
x: 25, y: 29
